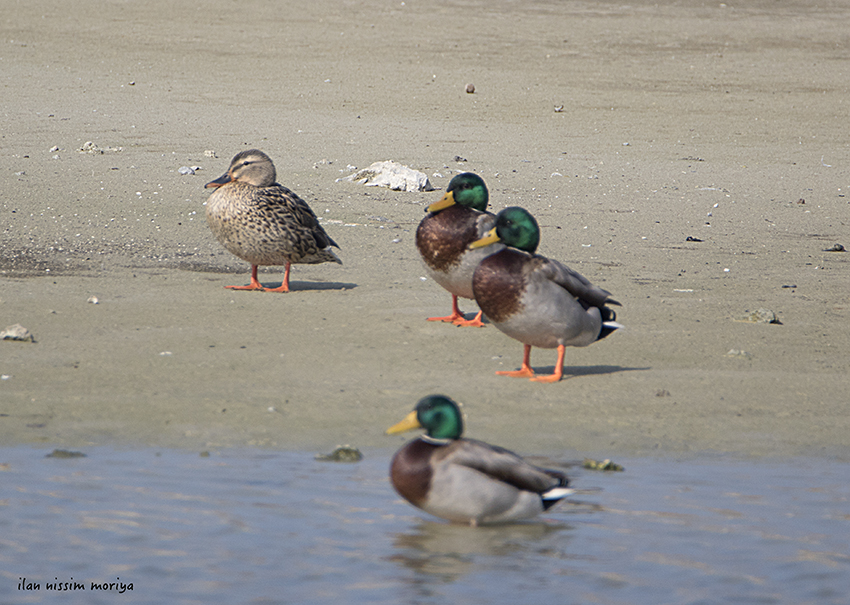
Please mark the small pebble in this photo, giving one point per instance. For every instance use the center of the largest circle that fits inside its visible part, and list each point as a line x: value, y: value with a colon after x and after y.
x: 601, y: 465
x: 835, y: 248
x: 470, y: 89
x: 90, y: 147
x: 65, y: 454
x: 16, y: 332
x: 761, y: 316
x: 343, y: 453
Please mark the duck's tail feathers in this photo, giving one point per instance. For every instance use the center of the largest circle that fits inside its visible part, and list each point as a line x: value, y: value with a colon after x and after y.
x: 555, y: 495
x: 608, y: 327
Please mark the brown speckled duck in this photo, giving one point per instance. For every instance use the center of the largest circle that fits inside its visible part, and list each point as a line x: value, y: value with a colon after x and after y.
x: 464, y: 480
x: 536, y: 300
x: 443, y: 239
x: 263, y: 222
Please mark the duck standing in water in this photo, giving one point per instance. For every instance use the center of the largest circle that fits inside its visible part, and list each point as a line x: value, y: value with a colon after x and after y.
x: 443, y: 239
x: 464, y: 480
x: 536, y: 300
x: 263, y: 222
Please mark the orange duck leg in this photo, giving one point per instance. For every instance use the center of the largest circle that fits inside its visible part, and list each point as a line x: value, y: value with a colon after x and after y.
x: 254, y: 285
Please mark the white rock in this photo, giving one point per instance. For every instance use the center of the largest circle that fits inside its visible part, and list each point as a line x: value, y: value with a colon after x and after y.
x: 391, y: 174
x: 16, y: 332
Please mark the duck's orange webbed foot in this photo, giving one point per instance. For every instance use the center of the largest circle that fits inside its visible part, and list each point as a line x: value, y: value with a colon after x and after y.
x: 559, y: 368
x: 455, y: 316
x: 549, y: 378
x: 254, y: 285
x: 475, y: 322
x: 447, y: 319
x: 284, y: 285
x: 525, y: 371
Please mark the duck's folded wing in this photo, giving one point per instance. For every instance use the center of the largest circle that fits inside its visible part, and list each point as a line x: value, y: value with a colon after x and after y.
x: 575, y: 283
x: 289, y: 201
x: 503, y: 465
x: 296, y: 211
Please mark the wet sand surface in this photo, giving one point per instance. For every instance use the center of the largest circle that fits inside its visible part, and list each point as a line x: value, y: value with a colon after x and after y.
x: 698, y: 170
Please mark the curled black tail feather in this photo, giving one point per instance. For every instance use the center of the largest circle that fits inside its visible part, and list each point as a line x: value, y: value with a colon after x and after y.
x: 609, y: 323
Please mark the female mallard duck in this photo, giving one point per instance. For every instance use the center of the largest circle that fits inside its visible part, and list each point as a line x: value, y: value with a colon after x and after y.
x: 464, y: 480
x: 443, y: 239
x: 263, y: 222
x: 535, y: 300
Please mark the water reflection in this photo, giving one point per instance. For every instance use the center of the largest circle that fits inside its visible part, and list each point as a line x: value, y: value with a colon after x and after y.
x: 280, y: 527
x: 447, y: 552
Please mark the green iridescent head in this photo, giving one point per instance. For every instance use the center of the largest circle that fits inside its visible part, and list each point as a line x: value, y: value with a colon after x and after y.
x: 465, y: 189
x: 437, y: 414
x: 517, y: 228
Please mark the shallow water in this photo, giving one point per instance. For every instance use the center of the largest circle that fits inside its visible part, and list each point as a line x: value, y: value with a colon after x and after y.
x: 280, y: 527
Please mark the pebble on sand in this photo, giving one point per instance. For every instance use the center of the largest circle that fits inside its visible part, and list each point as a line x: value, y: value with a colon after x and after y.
x: 391, y: 174
x: 761, y: 316
x: 16, y: 332
x: 91, y: 147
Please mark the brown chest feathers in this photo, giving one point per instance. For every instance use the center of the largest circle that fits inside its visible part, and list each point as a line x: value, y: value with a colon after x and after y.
x: 443, y: 238
x: 499, y: 283
x: 410, y: 470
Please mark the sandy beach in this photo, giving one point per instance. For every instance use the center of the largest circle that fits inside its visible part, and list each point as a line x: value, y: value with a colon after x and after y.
x: 691, y: 158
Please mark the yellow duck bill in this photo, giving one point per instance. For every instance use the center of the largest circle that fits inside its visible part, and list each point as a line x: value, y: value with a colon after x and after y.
x: 409, y: 423
x: 490, y: 238
x: 446, y: 201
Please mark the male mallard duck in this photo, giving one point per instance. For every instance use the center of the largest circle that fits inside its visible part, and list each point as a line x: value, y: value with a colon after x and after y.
x: 263, y: 222
x: 443, y: 239
x: 536, y: 300
x: 464, y: 480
